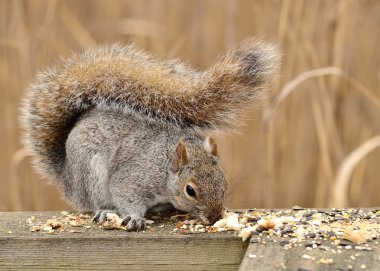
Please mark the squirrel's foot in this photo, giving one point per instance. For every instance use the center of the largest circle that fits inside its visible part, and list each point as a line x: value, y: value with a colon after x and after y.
x: 134, y: 223
x: 101, y: 215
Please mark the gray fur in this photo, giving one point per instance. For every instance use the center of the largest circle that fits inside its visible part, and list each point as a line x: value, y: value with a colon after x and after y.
x: 122, y: 131
x: 121, y: 161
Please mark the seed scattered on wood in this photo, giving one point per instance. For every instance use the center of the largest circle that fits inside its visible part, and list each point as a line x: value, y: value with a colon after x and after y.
x: 355, y: 236
x: 326, y: 261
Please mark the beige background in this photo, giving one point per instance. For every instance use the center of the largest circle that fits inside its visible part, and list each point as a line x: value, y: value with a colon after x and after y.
x: 295, y: 160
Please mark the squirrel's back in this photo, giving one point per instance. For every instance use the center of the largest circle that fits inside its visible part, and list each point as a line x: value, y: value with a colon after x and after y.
x: 123, y: 77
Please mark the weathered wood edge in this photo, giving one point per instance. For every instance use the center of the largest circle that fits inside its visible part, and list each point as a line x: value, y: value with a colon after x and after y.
x: 99, y: 249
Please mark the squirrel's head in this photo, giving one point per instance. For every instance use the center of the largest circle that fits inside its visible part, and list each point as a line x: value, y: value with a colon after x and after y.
x: 197, y: 181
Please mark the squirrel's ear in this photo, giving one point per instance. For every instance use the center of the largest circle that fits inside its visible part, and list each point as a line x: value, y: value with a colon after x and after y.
x: 210, y: 146
x: 180, y: 156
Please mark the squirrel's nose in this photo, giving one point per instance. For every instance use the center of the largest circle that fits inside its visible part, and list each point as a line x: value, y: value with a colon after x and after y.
x: 212, y: 218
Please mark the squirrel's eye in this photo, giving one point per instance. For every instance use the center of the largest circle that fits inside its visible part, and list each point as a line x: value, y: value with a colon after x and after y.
x: 190, y: 191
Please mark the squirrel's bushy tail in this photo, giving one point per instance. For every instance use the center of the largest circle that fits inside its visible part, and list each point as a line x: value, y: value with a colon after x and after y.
x: 122, y: 76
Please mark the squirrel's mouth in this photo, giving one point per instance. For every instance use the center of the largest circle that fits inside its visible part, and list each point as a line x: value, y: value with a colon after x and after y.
x: 196, y: 213
x: 203, y: 218
x: 208, y: 218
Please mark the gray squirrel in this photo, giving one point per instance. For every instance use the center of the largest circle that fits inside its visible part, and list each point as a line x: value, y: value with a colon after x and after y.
x: 124, y: 132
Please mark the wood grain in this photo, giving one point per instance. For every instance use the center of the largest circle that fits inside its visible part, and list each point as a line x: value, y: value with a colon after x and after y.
x: 97, y: 249
x: 158, y: 248
x: 273, y: 256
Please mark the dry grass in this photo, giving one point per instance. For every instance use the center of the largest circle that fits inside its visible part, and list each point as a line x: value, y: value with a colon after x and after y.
x: 325, y: 105
x: 344, y: 172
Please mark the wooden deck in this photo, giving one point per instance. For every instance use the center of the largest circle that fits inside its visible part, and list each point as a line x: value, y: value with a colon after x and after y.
x: 89, y: 247
x: 273, y: 256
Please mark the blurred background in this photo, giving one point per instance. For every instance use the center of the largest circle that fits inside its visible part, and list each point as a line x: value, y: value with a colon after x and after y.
x: 314, y: 144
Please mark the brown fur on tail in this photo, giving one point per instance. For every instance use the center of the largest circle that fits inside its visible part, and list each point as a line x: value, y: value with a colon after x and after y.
x: 122, y: 76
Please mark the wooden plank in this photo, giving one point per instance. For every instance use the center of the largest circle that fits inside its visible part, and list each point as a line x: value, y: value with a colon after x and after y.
x: 273, y: 256
x: 159, y: 248
x: 310, y: 243
x: 97, y: 249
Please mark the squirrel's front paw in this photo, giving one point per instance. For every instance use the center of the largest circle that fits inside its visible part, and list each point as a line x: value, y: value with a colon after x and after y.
x: 101, y: 215
x: 134, y: 223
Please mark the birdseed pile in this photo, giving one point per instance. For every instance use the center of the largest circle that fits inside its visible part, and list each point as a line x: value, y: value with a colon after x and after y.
x: 346, y: 228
